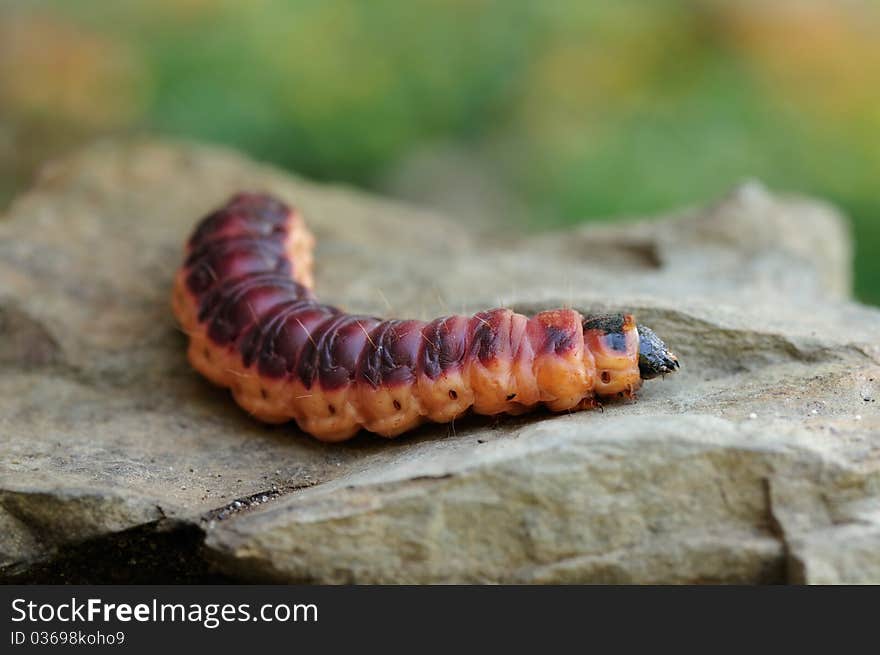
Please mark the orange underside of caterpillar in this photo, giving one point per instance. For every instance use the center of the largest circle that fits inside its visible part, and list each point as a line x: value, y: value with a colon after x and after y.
x: 243, y: 296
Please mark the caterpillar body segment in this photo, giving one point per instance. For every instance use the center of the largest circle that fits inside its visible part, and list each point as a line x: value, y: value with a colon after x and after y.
x: 244, y: 297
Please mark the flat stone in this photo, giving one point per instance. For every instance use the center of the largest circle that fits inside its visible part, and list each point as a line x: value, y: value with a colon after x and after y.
x: 758, y: 462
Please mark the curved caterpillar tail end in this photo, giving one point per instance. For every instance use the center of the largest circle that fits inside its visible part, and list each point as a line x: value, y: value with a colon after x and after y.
x: 655, y: 358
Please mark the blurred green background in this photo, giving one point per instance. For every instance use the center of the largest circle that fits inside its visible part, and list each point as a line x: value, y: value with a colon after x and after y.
x: 542, y: 113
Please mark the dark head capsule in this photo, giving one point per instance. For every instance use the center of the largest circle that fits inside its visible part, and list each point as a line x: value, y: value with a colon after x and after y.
x: 655, y: 358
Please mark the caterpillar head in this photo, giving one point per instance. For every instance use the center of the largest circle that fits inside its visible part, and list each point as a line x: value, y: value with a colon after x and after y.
x: 655, y: 358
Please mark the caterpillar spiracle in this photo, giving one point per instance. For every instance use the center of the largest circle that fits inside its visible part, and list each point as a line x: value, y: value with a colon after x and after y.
x: 244, y: 297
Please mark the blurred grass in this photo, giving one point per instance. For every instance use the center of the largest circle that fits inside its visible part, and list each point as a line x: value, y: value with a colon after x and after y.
x: 563, y: 110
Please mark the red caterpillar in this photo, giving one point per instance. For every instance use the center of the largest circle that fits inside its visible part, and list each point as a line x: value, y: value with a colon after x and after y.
x: 244, y: 298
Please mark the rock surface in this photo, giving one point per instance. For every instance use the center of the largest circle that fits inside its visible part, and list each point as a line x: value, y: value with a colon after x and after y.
x: 759, y: 462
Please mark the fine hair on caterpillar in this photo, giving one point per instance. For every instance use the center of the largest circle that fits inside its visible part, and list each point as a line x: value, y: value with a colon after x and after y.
x: 244, y: 298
